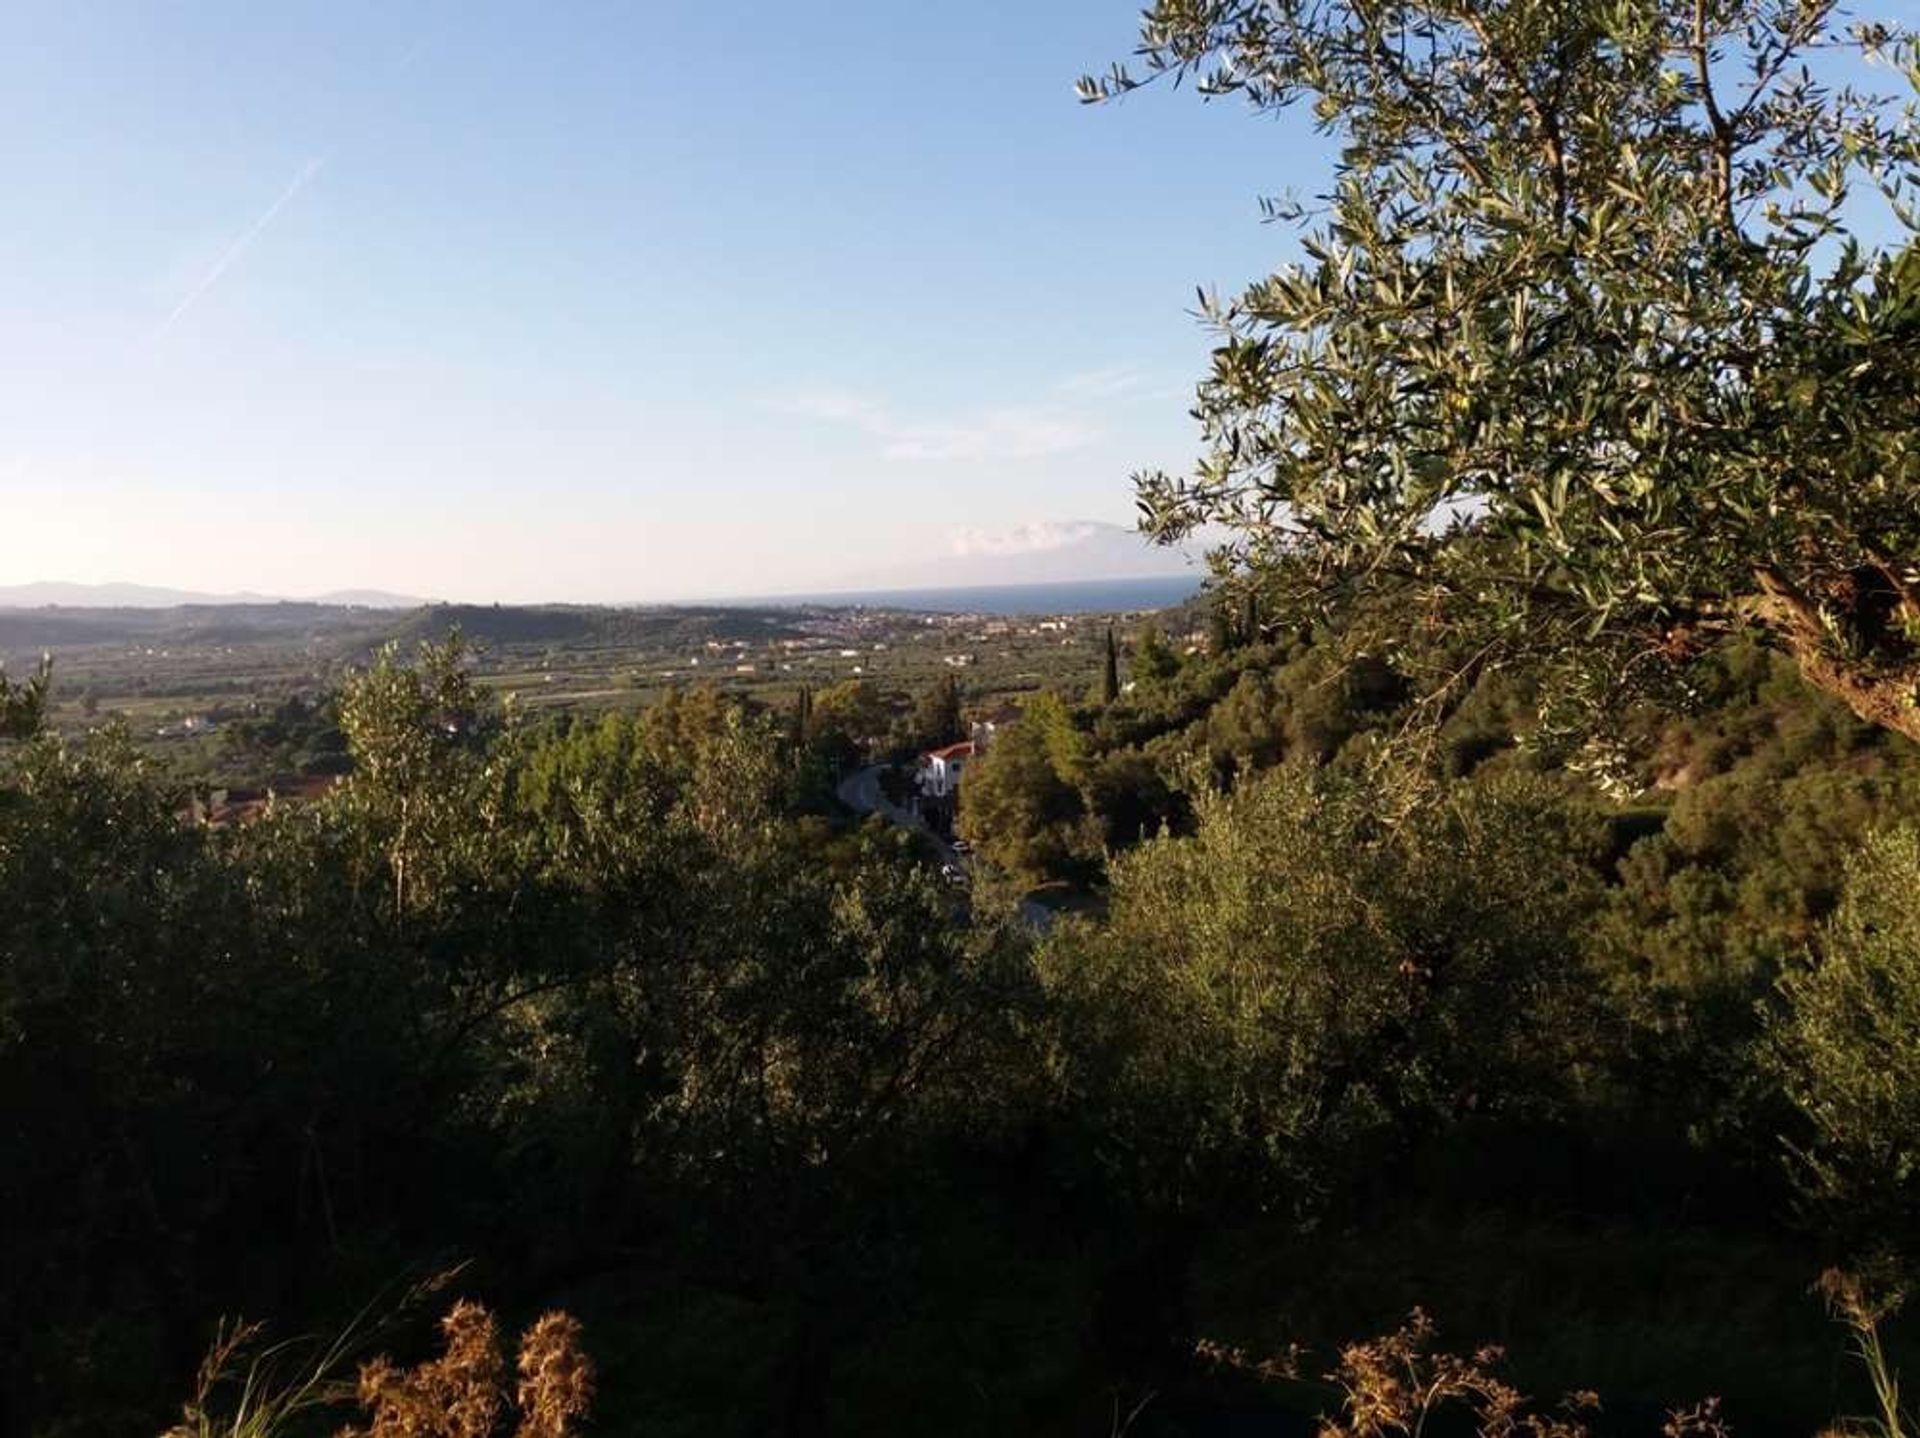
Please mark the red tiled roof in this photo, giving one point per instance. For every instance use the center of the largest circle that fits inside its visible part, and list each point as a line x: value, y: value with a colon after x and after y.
x: 962, y: 750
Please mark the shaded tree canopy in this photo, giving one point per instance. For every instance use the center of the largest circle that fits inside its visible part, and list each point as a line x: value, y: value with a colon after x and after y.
x: 937, y: 718
x: 1586, y: 359
x: 1153, y: 661
x: 23, y: 703
x: 1844, y: 1045
x: 1019, y: 803
x: 1299, y: 970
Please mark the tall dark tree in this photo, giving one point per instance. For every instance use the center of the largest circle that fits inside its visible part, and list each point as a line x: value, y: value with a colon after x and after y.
x: 937, y: 719
x: 1110, y: 675
x: 1219, y: 629
x: 1154, y: 660
x: 802, y: 717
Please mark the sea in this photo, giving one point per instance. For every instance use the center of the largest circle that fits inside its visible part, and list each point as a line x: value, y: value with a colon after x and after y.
x: 1079, y: 596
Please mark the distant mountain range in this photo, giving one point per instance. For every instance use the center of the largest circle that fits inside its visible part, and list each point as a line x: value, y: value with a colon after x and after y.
x: 1073, y: 551
x: 146, y: 596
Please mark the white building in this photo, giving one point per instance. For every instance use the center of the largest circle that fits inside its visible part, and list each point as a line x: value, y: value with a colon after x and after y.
x: 940, y: 770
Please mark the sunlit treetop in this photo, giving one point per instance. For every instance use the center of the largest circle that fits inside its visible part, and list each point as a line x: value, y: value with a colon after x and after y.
x: 1588, y: 359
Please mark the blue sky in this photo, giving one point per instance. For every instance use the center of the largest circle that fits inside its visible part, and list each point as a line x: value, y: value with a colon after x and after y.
x: 592, y: 301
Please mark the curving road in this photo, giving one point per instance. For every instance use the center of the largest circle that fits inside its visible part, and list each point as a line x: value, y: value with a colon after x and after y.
x: 861, y: 792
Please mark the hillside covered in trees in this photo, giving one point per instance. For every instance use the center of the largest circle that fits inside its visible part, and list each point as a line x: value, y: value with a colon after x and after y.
x: 625, y: 1012
x: 1490, y: 997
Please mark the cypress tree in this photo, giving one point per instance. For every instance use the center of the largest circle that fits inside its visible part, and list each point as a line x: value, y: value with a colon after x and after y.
x: 1110, y: 679
x: 802, y: 717
x: 938, y: 719
x: 1220, y: 629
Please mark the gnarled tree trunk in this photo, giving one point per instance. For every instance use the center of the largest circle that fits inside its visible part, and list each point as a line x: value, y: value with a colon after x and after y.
x: 1882, y: 684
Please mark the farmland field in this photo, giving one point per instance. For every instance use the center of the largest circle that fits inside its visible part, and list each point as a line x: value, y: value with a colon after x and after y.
x: 187, y: 681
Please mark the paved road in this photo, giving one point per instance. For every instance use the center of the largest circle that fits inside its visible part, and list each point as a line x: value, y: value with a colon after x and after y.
x: 861, y: 792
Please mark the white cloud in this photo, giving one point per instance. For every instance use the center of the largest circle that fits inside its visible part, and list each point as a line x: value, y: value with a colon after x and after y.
x: 1038, y: 537
x: 1110, y: 383
x: 998, y: 434
x: 1066, y: 420
x: 833, y: 405
x: 1016, y: 432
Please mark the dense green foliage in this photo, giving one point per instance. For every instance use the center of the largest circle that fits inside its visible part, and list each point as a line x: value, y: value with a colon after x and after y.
x: 627, y: 1010
x: 1848, y: 1046
x: 1305, y: 986
x: 1585, y: 357
x: 23, y: 705
x: 547, y: 990
x: 1020, y: 804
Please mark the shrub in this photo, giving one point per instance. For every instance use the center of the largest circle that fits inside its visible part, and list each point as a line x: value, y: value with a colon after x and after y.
x: 246, y: 1391
x: 1846, y: 1047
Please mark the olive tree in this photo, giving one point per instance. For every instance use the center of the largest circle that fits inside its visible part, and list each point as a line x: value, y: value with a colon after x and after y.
x: 1586, y: 358
x: 415, y: 734
x: 1305, y: 981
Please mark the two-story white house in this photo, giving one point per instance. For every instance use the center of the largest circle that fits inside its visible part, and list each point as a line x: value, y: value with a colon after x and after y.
x: 940, y: 770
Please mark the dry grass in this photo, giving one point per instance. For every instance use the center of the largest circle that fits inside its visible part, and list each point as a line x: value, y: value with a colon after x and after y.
x: 1860, y: 1305
x: 1398, y: 1385
x: 247, y: 1389
x: 244, y: 1390
x: 1393, y: 1386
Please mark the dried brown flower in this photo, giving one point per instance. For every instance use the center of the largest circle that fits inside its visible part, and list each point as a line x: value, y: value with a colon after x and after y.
x: 556, y: 1377
x: 463, y: 1393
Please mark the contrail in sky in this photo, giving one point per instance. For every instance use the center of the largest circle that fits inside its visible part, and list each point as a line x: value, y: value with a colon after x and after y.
x: 240, y: 246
